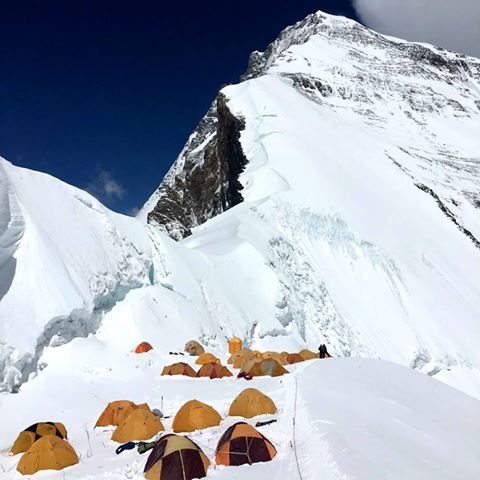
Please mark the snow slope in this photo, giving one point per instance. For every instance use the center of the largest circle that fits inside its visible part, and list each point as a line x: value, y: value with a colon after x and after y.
x: 360, y: 225
x: 64, y: 259
x: 346, y: 418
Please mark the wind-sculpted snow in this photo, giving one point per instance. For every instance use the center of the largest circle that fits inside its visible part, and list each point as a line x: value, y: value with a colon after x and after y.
x: 63, y: 259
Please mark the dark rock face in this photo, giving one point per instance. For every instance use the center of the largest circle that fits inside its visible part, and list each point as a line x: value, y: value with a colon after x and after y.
x: 206, y: 181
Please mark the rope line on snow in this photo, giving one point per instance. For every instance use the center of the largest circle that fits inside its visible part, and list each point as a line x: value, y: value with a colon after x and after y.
x: 295, y: 432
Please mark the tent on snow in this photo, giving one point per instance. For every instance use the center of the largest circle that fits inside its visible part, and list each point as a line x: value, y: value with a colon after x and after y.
x: 34, y: 432
x: 115, y: 412
x: 207, y: 358
x: 213, y: 370
x: 268, y: 367
x: 308, y: 354
x: 281, y: 359
x: 175, y: 457
x: 143, y: 347
x: 141, y: 424
x: 195, y: 415
x: 250, y: 403
x: 242, y: 444
x: 50, y: 452
x: 194, y: 348
x: 294, y: 358
x: 239, y: 359
x: 179, y: 368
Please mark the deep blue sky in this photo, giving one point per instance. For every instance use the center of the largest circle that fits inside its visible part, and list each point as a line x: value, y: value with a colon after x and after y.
x: 103, y: 91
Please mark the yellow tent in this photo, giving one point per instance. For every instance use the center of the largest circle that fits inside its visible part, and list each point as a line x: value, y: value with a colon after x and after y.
x: 141, y: 424
x: 48, y: 453
x: 195, y: 415
x: 34, y: 432
x: 116, y: 412
x: 234, y: 345
x: 194, y: 348
x: 281, y: 359
x: 250, y: 403
x: 294, y: 358
x: 207, y: 358
x: 268, y: 367
x: 179, y: 368
x: 213, y: 370
x: 308, y: 354
x: 238, y: 359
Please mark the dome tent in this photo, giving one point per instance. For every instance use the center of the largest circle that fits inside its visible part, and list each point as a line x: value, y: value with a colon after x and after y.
x: 194, y: 348
x: 141, y: 424
x: 175, y: 457
x: 207, y: 358
x: 250, y: 403
x: 48, y: 453
x: 213, y: 370
x: 243, y: 444
x: 115, y: 412
x: 268, y: 367
x: 34, y: 432
x: 195, y: 415
x: 179, y: 368
x: 143, y: 347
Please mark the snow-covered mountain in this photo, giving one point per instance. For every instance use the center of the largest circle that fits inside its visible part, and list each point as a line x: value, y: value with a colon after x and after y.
x: 355, y: 159
x: 333, y: 196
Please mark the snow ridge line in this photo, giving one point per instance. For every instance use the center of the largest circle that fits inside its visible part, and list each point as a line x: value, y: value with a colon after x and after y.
x: 448, y: 213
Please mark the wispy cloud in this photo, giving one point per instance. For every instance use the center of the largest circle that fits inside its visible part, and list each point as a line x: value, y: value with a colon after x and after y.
x: 104, y: 186
x: 452, y: 24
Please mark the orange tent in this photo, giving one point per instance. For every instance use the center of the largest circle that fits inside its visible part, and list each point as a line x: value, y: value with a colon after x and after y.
x: 141, y: 424
x: 195, y: 415
x: 308, y: 354
x: 143, y: 347
x: 214, y: 370
x: 234, y: 345
x: 268, y: 367
x: 276, y: 356
x: 179, y: 368
x: 250, y: 403
x: 194, y: 348
x: 294, y: 358
x: 116, y: 412
x: 48, y: 453
x: 36, y: 431
x: 207, y: 358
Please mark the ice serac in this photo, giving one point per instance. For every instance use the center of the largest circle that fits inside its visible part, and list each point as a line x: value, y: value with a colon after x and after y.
x: 64, y: 259
x: 360, y: 220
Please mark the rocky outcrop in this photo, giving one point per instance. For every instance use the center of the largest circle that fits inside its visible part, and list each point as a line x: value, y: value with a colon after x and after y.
x: 205, y: 179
